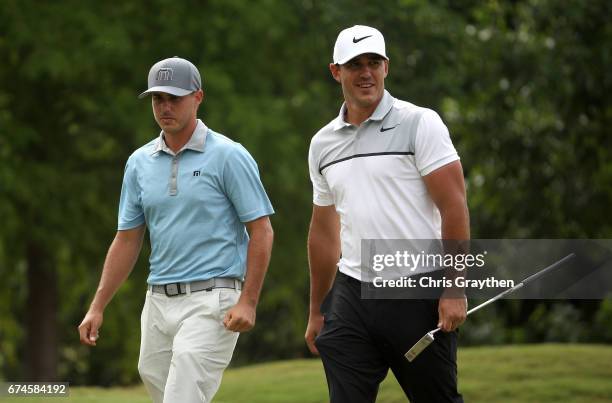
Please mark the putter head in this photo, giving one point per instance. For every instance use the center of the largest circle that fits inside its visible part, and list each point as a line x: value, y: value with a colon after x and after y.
x: 419, y: 346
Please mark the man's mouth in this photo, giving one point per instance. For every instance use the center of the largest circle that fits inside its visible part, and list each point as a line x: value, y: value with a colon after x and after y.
x: 365, y: 85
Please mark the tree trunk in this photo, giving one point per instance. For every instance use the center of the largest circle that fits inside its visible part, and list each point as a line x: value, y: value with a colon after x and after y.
x: 41, y: 321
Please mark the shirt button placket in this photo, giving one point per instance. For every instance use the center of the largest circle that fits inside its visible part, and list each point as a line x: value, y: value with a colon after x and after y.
x: 357, y: 140
x: 173, y: 176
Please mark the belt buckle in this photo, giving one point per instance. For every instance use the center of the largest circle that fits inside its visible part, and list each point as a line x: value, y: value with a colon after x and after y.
x: 173, y: 289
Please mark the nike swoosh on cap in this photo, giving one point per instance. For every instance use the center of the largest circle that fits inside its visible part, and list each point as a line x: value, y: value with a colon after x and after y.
x: 355, y: 40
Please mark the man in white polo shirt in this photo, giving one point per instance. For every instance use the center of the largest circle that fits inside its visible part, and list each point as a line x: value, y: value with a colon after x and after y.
x: 199, y: 195
x: 383, y: 169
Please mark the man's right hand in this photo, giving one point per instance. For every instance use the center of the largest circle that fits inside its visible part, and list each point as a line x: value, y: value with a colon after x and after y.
x: 323, y: 255
x: 88, y: 329
x: 315, y: 323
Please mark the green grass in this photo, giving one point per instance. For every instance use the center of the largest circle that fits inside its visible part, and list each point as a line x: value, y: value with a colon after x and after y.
x: 510, y: 374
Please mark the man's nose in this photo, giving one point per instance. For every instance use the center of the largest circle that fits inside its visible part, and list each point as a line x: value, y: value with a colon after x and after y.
x: 165, y: 105
x: 365, y: 71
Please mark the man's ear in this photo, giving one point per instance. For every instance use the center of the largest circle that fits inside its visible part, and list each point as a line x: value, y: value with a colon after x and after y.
x: 335, y: 71
x: 199, y: 94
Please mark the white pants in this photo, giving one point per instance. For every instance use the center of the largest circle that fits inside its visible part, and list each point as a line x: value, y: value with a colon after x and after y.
x: 184, y: 346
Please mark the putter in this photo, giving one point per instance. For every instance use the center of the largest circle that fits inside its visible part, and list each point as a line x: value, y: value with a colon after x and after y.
x: 426, y: 340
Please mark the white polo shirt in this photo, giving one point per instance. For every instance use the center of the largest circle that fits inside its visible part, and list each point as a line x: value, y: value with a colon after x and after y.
x: 372, y: 174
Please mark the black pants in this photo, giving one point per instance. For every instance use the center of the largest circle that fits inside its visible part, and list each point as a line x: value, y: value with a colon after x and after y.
x: 361, y: 339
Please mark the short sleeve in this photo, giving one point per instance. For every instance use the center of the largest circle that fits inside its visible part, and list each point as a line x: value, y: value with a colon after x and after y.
x: 433, y: 145
x: 131, y: 214
x: 321, y: 193
x: 243, y: 186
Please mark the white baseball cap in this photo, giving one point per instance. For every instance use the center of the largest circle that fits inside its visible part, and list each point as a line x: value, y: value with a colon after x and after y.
x: 174, y: 76
x: 357, y: 40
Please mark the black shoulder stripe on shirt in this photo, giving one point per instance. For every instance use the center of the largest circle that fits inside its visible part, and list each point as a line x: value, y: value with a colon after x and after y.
x: 365, y: 155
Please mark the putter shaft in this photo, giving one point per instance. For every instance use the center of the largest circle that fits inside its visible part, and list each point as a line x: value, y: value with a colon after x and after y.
x: 426, y: 340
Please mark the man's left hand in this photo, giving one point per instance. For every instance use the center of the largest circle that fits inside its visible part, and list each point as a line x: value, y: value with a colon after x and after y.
x: 451, y: 313
x: 240, y: 317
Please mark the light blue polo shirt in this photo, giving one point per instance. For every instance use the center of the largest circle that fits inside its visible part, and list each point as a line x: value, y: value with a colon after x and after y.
x: 195, y: 204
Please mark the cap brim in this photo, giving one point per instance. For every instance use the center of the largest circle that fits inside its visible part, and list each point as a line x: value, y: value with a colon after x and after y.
x: 179, y: 92
x: 349, y: 57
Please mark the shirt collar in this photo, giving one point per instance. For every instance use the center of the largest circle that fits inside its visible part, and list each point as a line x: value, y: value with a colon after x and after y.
x: 383, y: 108
x: 195, y: 143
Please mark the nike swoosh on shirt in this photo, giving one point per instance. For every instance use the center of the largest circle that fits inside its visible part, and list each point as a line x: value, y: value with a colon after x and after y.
x: 355, y: 40
x: 384, y: 129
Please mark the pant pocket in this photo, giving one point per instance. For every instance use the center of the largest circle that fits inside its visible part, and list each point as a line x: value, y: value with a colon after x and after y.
x: 227, y: 299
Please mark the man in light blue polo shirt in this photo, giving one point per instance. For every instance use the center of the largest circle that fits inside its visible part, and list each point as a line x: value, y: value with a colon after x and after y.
x: 200, y: 196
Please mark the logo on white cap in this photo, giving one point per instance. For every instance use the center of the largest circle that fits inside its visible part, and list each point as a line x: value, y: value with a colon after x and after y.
x: 358, y: 40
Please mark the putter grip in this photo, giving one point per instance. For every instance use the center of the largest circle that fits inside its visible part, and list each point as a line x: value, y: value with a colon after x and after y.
x: 549, y: 268
x: 522, y: 283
